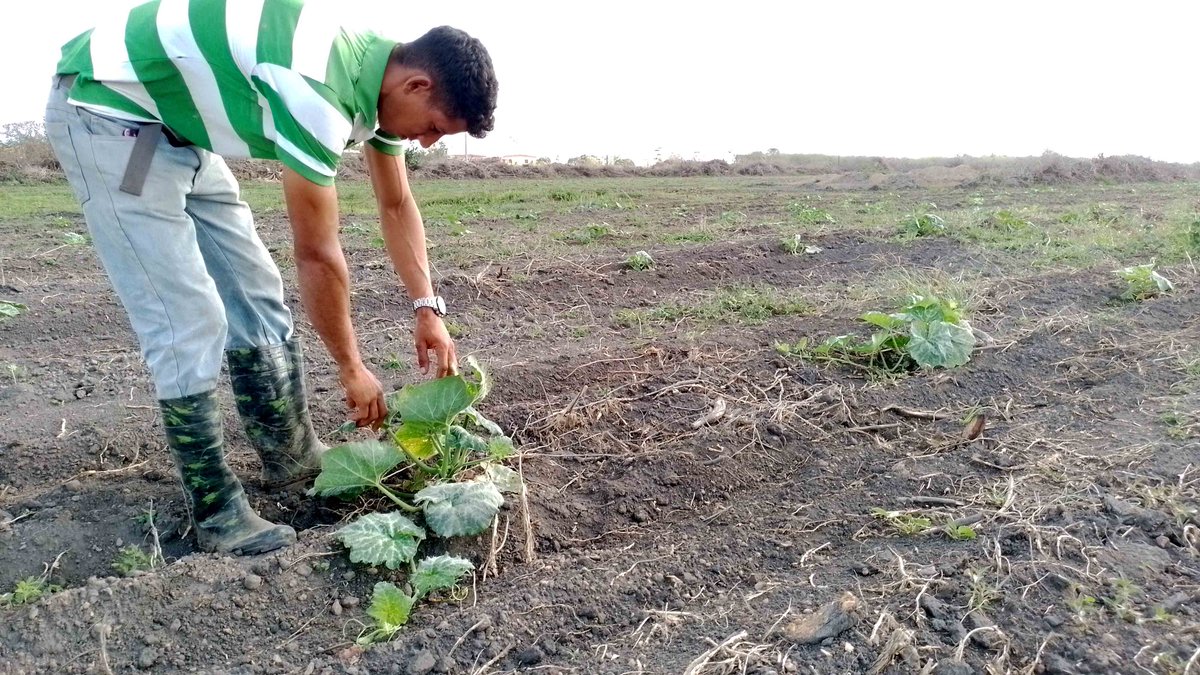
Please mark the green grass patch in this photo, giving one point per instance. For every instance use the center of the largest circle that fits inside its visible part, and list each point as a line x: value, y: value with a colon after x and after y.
x: 747, y: 305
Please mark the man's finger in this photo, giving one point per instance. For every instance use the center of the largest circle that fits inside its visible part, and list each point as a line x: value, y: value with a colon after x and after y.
x: 423, y: 357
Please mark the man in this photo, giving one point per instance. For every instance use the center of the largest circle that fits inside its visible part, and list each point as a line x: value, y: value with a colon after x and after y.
x: 141, y: 112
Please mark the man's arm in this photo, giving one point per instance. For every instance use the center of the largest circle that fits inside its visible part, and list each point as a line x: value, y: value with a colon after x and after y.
x: 404, y: 235
x: 325, y: 290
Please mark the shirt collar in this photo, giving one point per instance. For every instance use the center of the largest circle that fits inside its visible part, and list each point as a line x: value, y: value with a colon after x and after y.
x: 370, y: 77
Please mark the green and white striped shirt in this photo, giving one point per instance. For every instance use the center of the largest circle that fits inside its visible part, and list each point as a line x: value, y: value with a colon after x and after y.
x: 271, y: 79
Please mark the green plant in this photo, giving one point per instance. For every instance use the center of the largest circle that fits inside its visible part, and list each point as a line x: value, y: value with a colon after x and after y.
x: 907, y: 524
x: 28, y: 591
x: 795, y: 245
x: 639, y: 261
x: 14, y: 371
x: 132, y: 559
x: 1142, y: 282
x: 1121, y: 601
x: 983, y: 591
x: 922, y: 222
x: 928, y: 332
x: 959, y: 532
x: 1008, y: 221
x: 75, y: 239
x: 1080, y: 602
x: 10, y: 309
x: 390, y: 606
x: 434, y: 469
x: 810, y: 215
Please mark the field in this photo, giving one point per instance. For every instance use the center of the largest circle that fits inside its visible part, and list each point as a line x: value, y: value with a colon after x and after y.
x: 835, y: 519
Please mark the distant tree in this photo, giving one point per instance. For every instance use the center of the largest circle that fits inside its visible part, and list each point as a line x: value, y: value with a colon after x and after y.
x: 773, y: 151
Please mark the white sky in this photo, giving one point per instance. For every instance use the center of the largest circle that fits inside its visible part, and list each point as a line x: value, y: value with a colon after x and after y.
x: 915, y: 78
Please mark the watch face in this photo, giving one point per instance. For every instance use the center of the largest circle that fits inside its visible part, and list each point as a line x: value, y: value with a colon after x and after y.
x: 440, y: 305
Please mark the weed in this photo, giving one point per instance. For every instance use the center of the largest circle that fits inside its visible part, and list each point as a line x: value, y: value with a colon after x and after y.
x: 1080, y: 602
x: 1008, y: 221
x: 75, y: 239
x: 906, y: 524
x: 810, y: 215
x: 690, y: 238
x: 588, y: 235
x: 1142, y: 282
x: 736, y: 304
x: 639, y: 261
x: 132, y: 559
x: 795, y: 245
x: 394, y: 362
x: 14, y: 371
x: 454, y: 329
x: 1069, y: 218
x: 959, y: 532
x: 983, y: 592
x: 1121, y: 602
x: 922, y: 222
x: 28, y: 591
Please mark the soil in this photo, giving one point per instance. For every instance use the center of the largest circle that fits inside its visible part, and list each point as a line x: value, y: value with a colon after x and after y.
x: 753, y: 544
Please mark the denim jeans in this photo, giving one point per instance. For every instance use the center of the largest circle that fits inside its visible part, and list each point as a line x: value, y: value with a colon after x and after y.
x: 183, y: 257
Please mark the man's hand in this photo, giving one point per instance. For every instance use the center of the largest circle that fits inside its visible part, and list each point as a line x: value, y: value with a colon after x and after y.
x: 431, y: 335
x: 364, y: 396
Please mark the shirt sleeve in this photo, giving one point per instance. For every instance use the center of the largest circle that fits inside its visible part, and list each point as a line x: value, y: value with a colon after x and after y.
x: 310, y: 131
x: 387, y: 144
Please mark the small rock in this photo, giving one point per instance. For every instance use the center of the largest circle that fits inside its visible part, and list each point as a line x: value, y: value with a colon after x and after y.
x: 953, y: 668
x: 422, y: 663
x: 827, y: 622
x: 147, y: 657
x: 988, y: 639
x: 304, y: 569
x: 530, y: 656
x: 1110, y: 639
x: 73, y: 486
x: 485, y: 623
x: 640, y: 516
x: 176, y: 625
x: 153, y: 476
x: 349, y: 601
x: 349, y: 576
x: 1163, y: 541
x: 336, y: 608
x: 1054, y: 620
x: 252, y: 582
x: 446, y: 665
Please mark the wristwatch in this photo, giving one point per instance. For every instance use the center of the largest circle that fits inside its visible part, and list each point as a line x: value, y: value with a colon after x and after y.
x: 436, y: 303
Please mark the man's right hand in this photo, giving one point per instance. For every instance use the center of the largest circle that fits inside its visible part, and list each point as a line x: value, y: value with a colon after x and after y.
x: 364, y: 396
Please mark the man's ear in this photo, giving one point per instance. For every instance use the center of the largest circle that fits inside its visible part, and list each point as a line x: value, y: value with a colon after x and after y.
x: 418, y: 83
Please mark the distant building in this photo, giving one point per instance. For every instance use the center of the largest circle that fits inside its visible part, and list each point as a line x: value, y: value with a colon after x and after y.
x: 518, y: 160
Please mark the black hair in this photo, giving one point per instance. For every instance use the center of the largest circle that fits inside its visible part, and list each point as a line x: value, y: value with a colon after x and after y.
x: 461, y: 69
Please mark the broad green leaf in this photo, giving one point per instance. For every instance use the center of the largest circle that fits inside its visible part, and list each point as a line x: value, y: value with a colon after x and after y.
x: 939, y: 344
x: 460, y: 509
x: 505, y: 479
x: 10, y: 309
x: 482, y: 422
x: 354, y: 466
x: 437, y: 400
x: 382, y: 539
x: 417, y: 437
x: 485, y: 380
x: 437, y: 573
x: 460, y: 439
x: 390, y: 606
x: 882, y: 320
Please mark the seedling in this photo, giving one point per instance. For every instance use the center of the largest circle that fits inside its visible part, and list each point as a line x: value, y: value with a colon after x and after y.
x: 810, y: 215
x: 75, y: 239
x: 14, y: 371
x: 1081, y: 603
x: 1142, y: 282
x: 435, y: 470
x: 639, y: 261
x: 132, y: 559
x: 1121, y: 602
x: 928, y: 332
x: 906, y: 524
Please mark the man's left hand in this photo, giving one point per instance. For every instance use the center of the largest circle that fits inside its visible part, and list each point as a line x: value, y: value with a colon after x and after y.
x: 431, y: 335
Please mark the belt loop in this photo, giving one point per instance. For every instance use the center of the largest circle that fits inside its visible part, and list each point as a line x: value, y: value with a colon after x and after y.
x: 140, y: 158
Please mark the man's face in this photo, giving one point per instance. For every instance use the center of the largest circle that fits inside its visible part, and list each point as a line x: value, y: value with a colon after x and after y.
x: 410, y: 112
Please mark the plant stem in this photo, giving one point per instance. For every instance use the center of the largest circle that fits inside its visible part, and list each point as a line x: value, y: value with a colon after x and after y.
x: 399, y: 502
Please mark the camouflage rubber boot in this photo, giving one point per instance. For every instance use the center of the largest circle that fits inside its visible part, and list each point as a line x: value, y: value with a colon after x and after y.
x: 221, y: 514
x: 268, y: 385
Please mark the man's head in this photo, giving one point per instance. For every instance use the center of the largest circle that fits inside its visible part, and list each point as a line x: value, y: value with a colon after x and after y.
x: 441, y: 83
